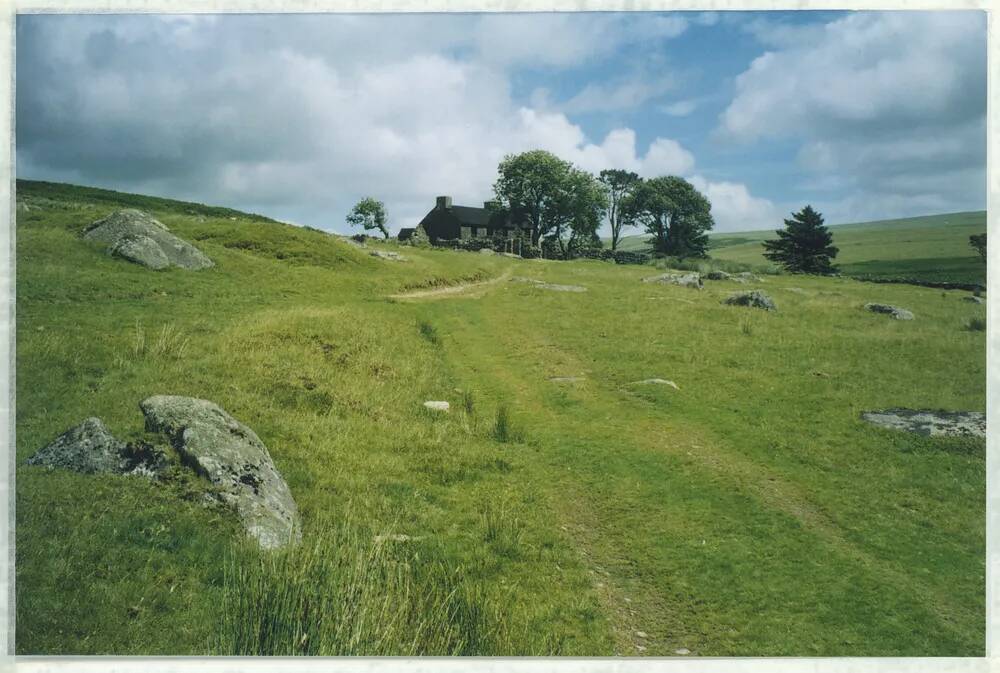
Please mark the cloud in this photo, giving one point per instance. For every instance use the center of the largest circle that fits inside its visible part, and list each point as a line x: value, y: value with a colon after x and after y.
x: 299, y: 119
x: 891, y: 105
x: 735, y: 209
x: 681, y: 108
x: 622, y: 94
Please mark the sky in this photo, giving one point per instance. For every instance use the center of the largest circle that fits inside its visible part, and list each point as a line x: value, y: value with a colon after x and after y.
x: 864, y: 115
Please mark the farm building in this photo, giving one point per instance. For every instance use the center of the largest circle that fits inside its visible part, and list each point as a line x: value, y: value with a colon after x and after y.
x: 446, y: 222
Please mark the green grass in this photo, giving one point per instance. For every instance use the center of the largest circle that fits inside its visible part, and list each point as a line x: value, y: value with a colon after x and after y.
x: 933, y: 248
x: 750, y: 512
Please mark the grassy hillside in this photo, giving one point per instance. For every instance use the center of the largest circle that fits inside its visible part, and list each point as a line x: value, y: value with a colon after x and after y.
x: 750, y: 512
x: 932, y: 248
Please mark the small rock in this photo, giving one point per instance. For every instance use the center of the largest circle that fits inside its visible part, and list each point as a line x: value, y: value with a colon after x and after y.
x: 659, y: 382
x: 717, y: 275
x: 234, y: 459
x: 896, y: 312
x: 754, y: 299
x: 90, y: 448
x: 641, y: 634
x: 691, y: 280
x: 974, y: 299
x: 395, y: 537
x: 682, y: 651
x: 487, y: 251
x: 640, y: 648
x: 930, y: 423
x: 511, y: 254
x: 437, y: 405
x: 388, y: 254
x: 566, y: 379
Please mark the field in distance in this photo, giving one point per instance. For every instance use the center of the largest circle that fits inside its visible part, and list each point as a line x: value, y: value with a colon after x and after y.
x: 933, y: 248
x: 564, y: 505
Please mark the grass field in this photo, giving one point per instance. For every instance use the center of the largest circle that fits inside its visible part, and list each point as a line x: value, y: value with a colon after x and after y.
x: 934, y: 248
x: 748, y: 512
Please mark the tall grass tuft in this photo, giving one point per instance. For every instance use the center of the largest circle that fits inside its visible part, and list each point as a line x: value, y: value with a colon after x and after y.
x: 350, y: 595
x: 501, y: 528
x: 429, y: 332
x: 503, y: 430
x: 468, y: 402
x: 746, y: 327
x: 169, y: 342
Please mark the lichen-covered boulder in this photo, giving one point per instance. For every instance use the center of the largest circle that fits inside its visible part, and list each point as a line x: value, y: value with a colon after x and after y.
x: 894, y: 311
x: 137, y: 237
x: 753, y: 299
x: 233, y: 458
x: 930, y: 423
x: 691, y: 280
x: 90, y: 448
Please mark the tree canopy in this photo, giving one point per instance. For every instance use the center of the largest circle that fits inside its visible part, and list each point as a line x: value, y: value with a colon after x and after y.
x: 675, y: 213
x: 804, y: 245
x: 619, y: 186
x: 556, y: 198
x: 978, y: 243
x: 369, y: 213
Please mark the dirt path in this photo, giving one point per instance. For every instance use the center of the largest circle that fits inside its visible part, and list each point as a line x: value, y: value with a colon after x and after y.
x: 452, y: 290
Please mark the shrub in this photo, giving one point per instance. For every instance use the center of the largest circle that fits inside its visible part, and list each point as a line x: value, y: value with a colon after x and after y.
x: 976, y: 325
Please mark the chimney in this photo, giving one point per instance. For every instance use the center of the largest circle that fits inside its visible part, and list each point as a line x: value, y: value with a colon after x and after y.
x: 444, y: 202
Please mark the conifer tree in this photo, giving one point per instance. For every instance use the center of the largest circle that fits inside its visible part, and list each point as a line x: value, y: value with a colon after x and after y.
x: 804, y: 245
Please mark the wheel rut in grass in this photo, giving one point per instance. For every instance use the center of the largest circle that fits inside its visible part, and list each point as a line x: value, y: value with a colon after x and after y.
x: 656, y: 607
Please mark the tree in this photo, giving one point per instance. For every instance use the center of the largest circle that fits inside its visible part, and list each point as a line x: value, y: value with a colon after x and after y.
x: 978, y: 242
x: 586, y: 204
x: 674, y: 212
x: 804, y: 245
x: 370, y: 214
x: 619, y: 185
x: 550, y: 194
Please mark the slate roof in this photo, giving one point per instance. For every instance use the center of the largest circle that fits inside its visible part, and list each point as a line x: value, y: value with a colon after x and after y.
x: 476, y: 217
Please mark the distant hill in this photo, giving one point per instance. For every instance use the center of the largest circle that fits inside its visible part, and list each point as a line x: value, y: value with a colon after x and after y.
x: 928, y: 248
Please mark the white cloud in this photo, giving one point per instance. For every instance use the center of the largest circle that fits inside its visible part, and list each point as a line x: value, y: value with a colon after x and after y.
x: 881, y: 103
x: 681, y: 108
x: 735, y: 209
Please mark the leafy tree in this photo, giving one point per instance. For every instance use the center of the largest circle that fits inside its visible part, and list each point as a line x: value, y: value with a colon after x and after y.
x: 370, y: 214
x: 619, y: 185
x: 978, y: 242
x: 586, y: 203
x: 553, y: 197
x: 675, y: 213
x: 804, y: 245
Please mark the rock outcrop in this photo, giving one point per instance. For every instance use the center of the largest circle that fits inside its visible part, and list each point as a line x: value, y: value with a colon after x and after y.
x: 896, y: 312
x: 232, y: 457
x: 930, y: 423
x: 549, y: 286
x: 135, y: 236
x: 90, y: 448
x: 691, y: 280
x: 753, y: 299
